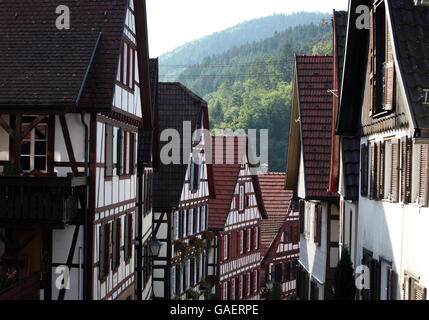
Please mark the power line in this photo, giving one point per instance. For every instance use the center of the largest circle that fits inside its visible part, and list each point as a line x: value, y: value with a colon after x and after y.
x: 225, y: 64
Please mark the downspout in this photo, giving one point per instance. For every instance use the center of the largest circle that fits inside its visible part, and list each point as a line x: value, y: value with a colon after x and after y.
x: 86, y: 142
x: 86, y: 217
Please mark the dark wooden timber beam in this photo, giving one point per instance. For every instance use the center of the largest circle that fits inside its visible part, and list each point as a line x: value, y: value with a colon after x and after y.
x: 31, y: 126
x: 5, y: 126
x: 69, y: 145
x: 69, y: 262
x: 158, y: 225
x: 17, y: 143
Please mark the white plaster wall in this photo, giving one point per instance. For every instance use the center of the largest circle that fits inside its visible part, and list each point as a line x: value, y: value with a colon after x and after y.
x: 312, y: 257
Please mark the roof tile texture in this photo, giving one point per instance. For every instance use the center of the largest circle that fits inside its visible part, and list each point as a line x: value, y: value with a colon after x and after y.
x: 315, y: 79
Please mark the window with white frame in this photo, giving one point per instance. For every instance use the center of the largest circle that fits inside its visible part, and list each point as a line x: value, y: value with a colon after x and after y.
x: 240, y: 287
x: 256, y: 238
x: 233, y: 289
x: 34, y: 147
x: 241, y: 197
x: 225, y: 247
x: 225, y: 290
x: 387, y: 169
x: 249, y: 281
x: 255, y: 281
x: 249, y: 240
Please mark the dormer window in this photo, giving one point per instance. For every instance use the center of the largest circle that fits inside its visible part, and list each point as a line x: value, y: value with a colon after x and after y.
x: 381, y: 63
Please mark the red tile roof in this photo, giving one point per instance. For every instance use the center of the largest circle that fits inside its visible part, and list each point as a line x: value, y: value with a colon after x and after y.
x: 315, y: 79
x: 276, y: 201
x: 42, y: 66
x: 225, y: 178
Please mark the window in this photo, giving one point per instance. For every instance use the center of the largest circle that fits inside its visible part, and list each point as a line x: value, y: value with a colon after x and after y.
x: 175, y: 225
x: 190, y: 215
x: 195, y: 172
x: 225, y: 290
x: 240, y: 287
x: 233, y: 289
x: 387, y: 169
x: 248, y: 281
x: 249, y: 240
x: 116, y: 241
x: 241, y: 199
x: 382, y: 70
x: 128, y: 237
x: 34, y: 147
x: 109, y: 151
x: 192, y: 272
x: 148, y: 178
x: 195, y: 219
x: 255, y: 281
x: 286, y: 235
x: 256, y: 244
x: 225, y: 247
x: 364, y: 170
x: 126, y: 152
x: 104, y: 246
x: 302, y: 216
x: 126, y: 74
x: 406, y: 164
x: 147, y: 265
x: 178, y: 282
x: 241, y: 241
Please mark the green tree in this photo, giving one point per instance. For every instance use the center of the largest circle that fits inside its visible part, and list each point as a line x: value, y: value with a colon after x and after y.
x: 345, y: 288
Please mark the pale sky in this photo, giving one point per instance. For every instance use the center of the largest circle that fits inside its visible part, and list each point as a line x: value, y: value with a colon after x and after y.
x: 172, y: 23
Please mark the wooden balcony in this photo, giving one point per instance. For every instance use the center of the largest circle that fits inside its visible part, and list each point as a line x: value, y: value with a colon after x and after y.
x: 43, y: 202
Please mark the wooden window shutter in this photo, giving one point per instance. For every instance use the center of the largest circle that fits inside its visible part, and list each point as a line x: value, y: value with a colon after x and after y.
x: 394, y: 182
x: 106, y: 247
x: 406, y: 170
x: 373, y: 175
x: 119, y: 152
x: 301, y: 216
x: 423, y: 173
x: 318, y: 225
x: 393, y: 285
x: 420, y: 292
x: 364, y: 170
x: 406, y: 287
x: 388, y: 85
x: 380, y: 175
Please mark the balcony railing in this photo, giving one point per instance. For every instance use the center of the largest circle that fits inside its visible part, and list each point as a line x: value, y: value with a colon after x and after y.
x: 51, y: 202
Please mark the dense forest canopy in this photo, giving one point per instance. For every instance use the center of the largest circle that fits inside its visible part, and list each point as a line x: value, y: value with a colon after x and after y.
x: 249, y: 87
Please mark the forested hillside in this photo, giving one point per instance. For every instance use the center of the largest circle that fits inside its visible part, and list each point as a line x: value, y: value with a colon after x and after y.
x: 172, y: 63
x: 250, y: 87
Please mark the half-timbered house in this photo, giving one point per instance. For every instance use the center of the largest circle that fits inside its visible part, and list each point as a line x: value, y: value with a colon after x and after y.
x: 279, y: 235
x: 182, y: 187
x: 384, y: 102
x: 235, y: 216
x: 72, y: 101
x: 308, y: 168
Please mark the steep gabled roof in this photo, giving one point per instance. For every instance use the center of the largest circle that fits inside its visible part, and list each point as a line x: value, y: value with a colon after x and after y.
x: 176, y: 105
x: 226, y: 170
x: 43, y: 67
x: 225, y: 177
x: 314, y: 77
x: 276, y: 201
